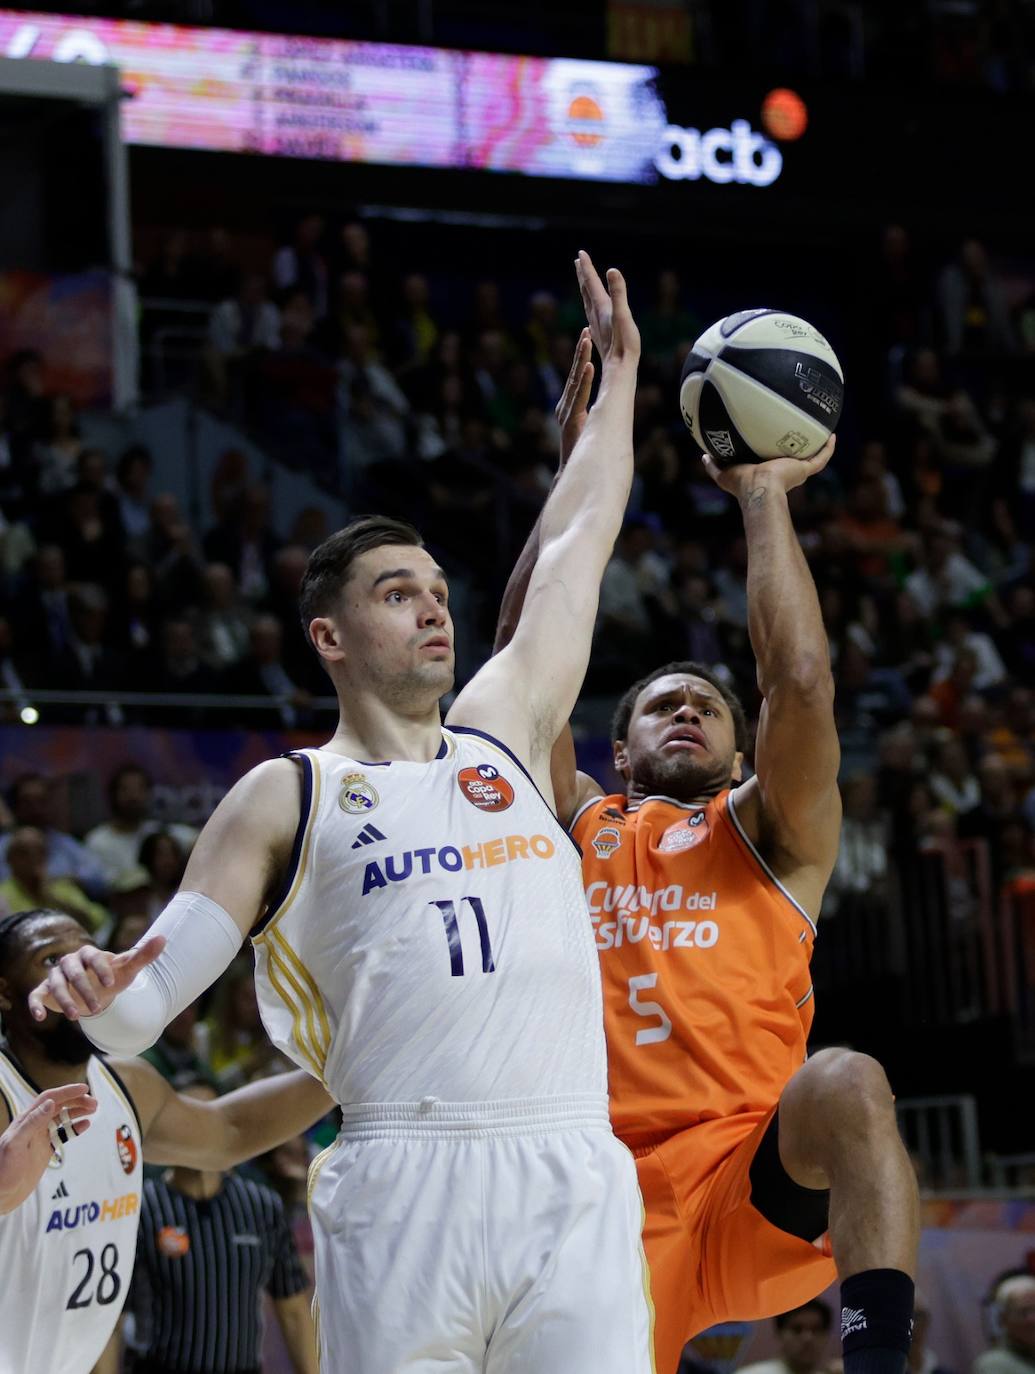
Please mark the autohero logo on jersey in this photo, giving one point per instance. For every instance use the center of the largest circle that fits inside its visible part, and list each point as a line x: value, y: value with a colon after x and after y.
x: 634, y: 913
x: 485, y: 787
x: 505, y: 849
x: 86, y: 1213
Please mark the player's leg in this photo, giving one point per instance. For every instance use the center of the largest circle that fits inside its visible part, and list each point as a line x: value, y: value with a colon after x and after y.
x: 397, y: 1237
x: 838, y: 1131
x: 741, y: 1264
x: 669, y: 1242
x: 566, y: 1257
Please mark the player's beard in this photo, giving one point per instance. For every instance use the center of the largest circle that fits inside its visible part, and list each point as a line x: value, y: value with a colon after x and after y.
x: 681, y: 775
x: 63, y: 1042
x: 420, y: 685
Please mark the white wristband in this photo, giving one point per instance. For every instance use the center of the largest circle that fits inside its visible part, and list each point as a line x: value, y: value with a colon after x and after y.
x: 201, y: 940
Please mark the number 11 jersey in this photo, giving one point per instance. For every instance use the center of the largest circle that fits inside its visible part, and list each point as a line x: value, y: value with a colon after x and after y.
x: 431, y: 940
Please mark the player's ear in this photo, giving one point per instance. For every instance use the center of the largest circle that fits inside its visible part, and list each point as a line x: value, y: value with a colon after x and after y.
x: 738, y: 767
x: 621, y: 757
x: 5, y: 1000
x: 326, y: 639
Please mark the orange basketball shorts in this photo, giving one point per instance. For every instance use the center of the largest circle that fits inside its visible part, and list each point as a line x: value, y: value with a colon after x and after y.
x: 728, y: 1235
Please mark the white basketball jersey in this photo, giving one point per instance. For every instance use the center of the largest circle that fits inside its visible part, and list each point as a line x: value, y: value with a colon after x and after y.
x: 66, y: 1254
x: 432, y: 941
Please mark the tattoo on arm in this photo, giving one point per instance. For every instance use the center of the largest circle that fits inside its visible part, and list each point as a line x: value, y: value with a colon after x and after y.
x: 755, y: 497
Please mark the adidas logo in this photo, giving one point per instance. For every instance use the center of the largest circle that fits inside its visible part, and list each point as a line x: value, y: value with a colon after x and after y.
x: 368, y: 835
x: 852, y: 1320
x: 61, y: 1191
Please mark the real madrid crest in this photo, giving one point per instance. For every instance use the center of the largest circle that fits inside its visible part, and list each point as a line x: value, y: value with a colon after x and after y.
x: 357, y: 795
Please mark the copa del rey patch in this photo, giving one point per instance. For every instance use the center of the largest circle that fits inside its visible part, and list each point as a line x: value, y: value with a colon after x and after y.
x: 685, y: 834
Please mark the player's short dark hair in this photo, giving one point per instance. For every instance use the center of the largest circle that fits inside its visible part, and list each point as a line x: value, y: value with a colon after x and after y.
x: 330, y: 562
x: 624, y: 710
x: 817, y: 1305
x: 9, y: 931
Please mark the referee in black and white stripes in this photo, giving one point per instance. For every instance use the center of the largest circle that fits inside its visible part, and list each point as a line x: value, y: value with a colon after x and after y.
x: 208, y: 1247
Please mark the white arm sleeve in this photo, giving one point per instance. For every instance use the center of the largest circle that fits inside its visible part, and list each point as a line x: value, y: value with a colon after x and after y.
x: 201, y: 940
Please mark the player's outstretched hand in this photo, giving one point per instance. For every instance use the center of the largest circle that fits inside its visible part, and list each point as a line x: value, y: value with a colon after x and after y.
x: 607, y: 311
x: 88, y: 981
x: 782, y: 473
x: 27, y: 1144
x: 573, y: 407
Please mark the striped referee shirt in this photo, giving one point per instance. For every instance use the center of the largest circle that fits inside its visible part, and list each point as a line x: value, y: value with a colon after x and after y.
x: 202, y: 1266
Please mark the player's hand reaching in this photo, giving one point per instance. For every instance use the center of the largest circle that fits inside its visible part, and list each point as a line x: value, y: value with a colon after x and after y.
x: 573, y: 407
x: 783, y: 474
x: 607, y: 312
x: 27, y: 1145
x: 88, y: 981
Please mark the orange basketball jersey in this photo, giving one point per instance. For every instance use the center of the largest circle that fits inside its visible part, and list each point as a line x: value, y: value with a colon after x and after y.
x: 704, y: 959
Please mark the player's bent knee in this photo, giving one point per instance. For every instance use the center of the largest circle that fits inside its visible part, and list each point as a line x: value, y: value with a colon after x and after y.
x: 841, y: 1088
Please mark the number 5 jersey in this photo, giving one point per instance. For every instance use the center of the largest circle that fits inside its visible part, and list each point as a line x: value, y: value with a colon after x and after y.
x: 66, y: 1254
x: 431, y: 939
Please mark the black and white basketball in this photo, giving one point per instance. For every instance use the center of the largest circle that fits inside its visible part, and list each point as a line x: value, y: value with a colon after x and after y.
x: 761, y: 384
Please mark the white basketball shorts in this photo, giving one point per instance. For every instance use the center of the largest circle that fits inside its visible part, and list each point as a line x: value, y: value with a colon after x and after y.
x: 480, y: 1238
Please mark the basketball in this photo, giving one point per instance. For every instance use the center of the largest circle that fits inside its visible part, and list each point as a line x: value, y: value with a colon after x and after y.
x: 761, y: 384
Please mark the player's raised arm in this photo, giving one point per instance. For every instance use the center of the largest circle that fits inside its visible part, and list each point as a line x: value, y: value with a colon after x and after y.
x: 216, y: 1135
x: 125, y: 1001
x: 795, y: 801
x: 570, y: 787
x: 531, y: 686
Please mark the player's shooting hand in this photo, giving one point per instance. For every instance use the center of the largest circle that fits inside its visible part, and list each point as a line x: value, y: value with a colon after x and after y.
x: 573, y: 407
x: 607, y: 312
x: 88, y: 981
x: 780, y: 474
x: 26, y: 1146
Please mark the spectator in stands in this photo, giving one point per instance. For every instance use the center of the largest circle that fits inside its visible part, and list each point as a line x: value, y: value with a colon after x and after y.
x: 90, y: 533
x: 246, y: 543
x: 861, y: 872
x: 28, y: 406
x: 172, y: 553
x: 802, y: 1335
x: 31, y: 800
x: 88, y: 663
x: 116, y: 842
x: 57, y: 453
x: 231, y: 1039
x: 262, y: 673
x: 133, y: 481
x: 30, y: 884
x: 634, y: 594
x: 990, y: 670
x: 415, y: 333
x: 955, y: 787
x: 238, y: 329
x: 869, y: 698
x: 1013, y: 1307
x: 901, y: 313
x: 945, y: 578
x: 177, y: 668
x: 223, y: 624
x: 43, y: 622
x: 15, y: 673
x: 975, y: 318
x: 137, y: 613
x: 875, y: 540
x: 174, y: 1054
x: 301, y: 266
x: 950, y: 692
x: 164, y: 861
x: 668, y: 325
x: 352, y: 309
x: 372, y: 412
x: 301, y: 663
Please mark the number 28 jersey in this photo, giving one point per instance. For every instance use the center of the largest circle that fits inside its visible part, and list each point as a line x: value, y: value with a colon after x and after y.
x: 432, y: 940
x: 66, y: 1254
